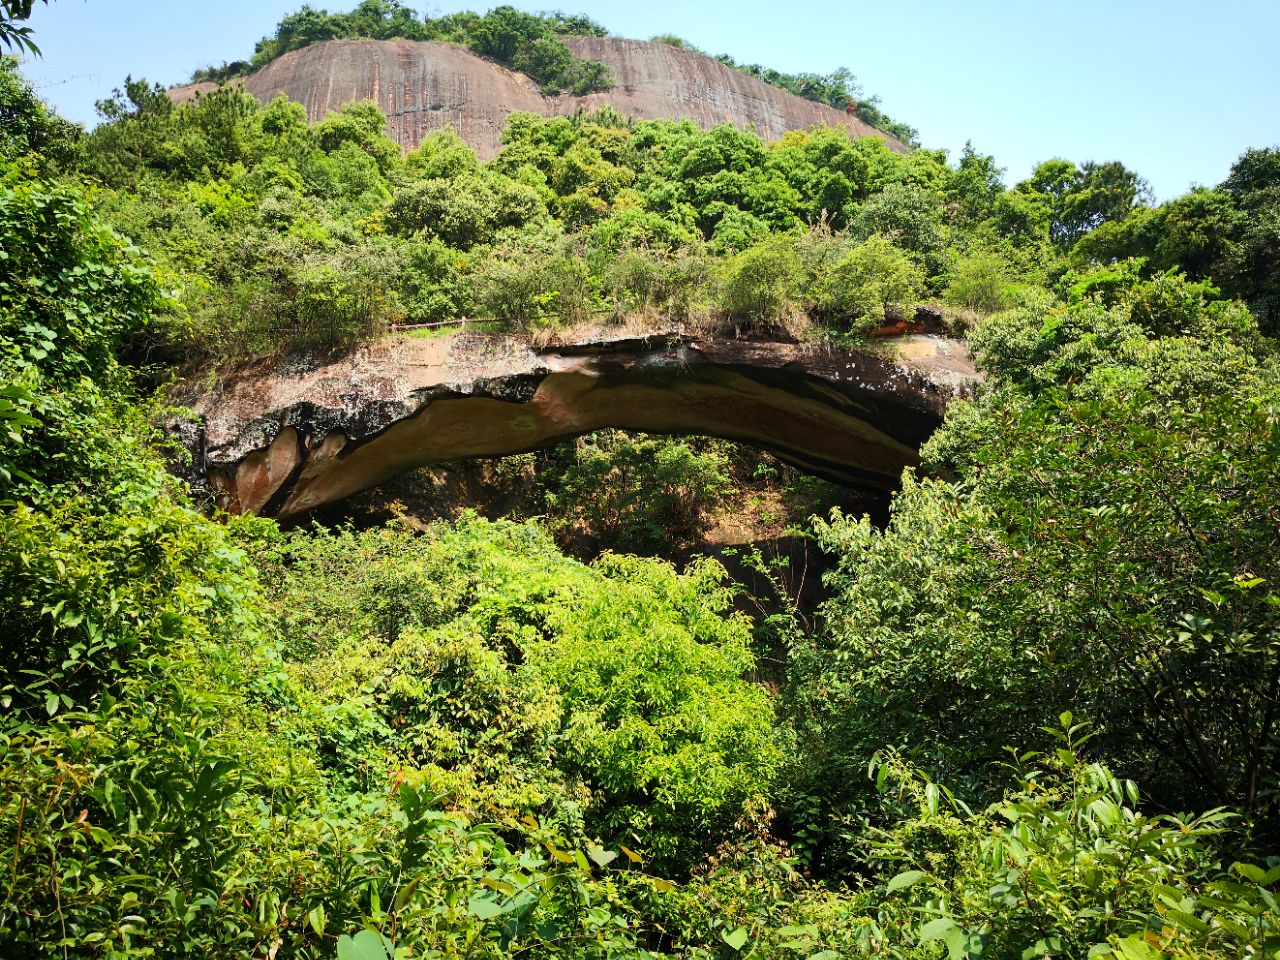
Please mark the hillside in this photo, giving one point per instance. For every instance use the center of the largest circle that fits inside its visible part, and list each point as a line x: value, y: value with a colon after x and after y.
x: 426, y: 85
x: 652, y: 543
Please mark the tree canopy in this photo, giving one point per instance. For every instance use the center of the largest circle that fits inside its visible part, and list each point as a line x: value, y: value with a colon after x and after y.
x: 1034, y: 712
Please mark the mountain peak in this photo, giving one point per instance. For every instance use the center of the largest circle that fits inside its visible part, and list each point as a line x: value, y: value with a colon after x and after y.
x: 424, y: 85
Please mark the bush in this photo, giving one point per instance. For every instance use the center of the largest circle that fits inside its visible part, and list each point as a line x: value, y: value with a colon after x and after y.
x: 637, y: 494
x: 1097, y: 533
x: 672, y: 740
x: 759, y: 287
x: 531, y: 43
x: 653, y: 284
x: 507, y: 675
x: 979, y: 282
x: 433, y: 286
x: 1065, y: 865
x: 299, y: 299
x: 909, y: 216
x: 534, y: 289
x: 464, y: 211
x: 875, y: 282
x: 27, y: 126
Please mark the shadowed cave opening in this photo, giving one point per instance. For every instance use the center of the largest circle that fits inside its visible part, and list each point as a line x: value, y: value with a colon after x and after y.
x: 672, y: 496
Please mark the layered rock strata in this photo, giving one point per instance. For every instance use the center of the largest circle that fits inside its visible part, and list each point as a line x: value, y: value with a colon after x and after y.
x: 285, y: 439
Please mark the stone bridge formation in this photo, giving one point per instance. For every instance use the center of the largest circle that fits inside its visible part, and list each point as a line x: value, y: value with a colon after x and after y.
x: 283, y: 438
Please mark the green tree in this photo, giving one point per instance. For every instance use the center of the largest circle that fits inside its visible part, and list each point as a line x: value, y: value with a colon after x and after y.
x: 1098, y: 531
x: 1254, y: 265
x: 646, y: 495
x: 1075, y: 200
x: 13, y: 34
x: 760, y: 286
x: 27, y: 126
x: 876, y: 281
x: 980, y: 282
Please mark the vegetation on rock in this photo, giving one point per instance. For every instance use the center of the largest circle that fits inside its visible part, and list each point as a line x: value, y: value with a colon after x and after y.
x: 530, y: 43
x: 1037, y: 716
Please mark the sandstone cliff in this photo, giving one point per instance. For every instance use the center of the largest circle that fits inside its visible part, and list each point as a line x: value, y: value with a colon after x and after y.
x: 285, y: 439
x: 425, y: 86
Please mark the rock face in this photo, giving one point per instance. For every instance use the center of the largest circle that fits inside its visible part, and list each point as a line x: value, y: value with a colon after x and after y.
x: 283, y: 440
x: 424, y: 86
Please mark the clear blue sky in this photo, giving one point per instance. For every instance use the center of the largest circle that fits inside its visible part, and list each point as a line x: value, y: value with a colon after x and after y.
x: 1175, y: 89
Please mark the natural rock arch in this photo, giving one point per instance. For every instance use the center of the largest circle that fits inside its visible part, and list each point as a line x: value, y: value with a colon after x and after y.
x: 286, y: 438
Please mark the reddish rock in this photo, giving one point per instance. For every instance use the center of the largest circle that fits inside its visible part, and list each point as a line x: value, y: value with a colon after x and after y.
x: 425, y: 86
x: 284, y: 438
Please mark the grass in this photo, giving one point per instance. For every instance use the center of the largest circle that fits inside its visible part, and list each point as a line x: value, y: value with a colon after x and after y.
x: 448, y: 330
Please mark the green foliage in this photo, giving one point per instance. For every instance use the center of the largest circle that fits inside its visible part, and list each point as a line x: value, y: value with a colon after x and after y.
x: 536, y: 288
x: 12, y: 34
x: 27, y: 126
x: 141, y: 658
x: 221, y: 739
x: 760, y: 286
x: 432, y: 288
x: 874, y: 282
x: 510, y: 676
x: 464, y: 211
x: 974, y: 187
x: 671, y: 40
x: 1254, y: 185
x: 71, y: 289
x: 642, y: 282
x: 1069, y: 201
x: 1225, y: 235
x: 980, y: 282
x: 71, y: 293
x: 637, y: 494
x: 1099, y: 536
x: 671, y: 737
x: 907, y: 214
x: 1066, y: 864
x: 1111, y: 314
x: 531, y: 43
x: 291, y: 235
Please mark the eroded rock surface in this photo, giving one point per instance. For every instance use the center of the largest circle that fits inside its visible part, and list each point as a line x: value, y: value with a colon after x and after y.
x: 423, y: 86
x: 283, y: 439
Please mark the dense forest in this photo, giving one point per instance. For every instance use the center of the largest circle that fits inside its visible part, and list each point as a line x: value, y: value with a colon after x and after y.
x: 1035, y: 713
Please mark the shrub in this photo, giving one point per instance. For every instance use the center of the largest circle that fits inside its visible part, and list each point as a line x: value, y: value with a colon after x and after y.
x: 463, y: 211
x: 534, y: 289
x: 909, y: 216
x: 759, y: 287
x: 1066, y: 864
x: 670, y: 737
x: 651, y: 284
x: 875, y: 282
x: 433, y: 286
x: 299, y: 299
x: 509, y: 675
x: 1096, y: 533
x: 979, y: 282
x: 636, y: 493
